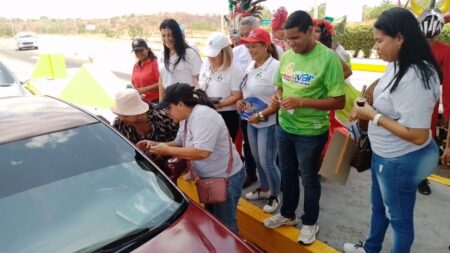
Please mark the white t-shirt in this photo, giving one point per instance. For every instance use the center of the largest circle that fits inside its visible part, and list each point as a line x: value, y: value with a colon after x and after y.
x: 260, y: 84
x: 207, y: 131
x: 242, y: 57
x: 184, y: 70
x: 410, y: 104
x: 222, y: 83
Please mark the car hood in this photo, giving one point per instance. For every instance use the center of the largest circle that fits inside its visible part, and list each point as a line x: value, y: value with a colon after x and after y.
x: 196, y: 231
x: 11, y: 90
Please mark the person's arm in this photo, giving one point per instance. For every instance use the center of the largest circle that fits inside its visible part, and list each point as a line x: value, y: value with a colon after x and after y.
x: 265, y: 113
x: 189, y: 153
x: 446, y: 88
x: 326, y: 104
x: 230, y: 100
x: 161, y: 90
x: 151, y: 87
x: 446, y: 154
x: 416, y: 136
x: 347, y: 71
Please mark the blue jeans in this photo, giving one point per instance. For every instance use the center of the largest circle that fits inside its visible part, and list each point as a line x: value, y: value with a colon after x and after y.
x: 300, y: 155
x: 264, y: 144
x: 249, y: 162
x: 226, y: 211
x: 393, y: 195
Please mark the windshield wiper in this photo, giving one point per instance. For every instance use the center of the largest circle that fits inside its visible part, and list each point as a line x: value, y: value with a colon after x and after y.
x: 135, y: 238
x: 125, y: 242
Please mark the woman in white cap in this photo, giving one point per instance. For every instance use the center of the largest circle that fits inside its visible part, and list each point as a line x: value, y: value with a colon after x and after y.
x: 180, y: 62
x: 138, y: 120
x: 220, y: 78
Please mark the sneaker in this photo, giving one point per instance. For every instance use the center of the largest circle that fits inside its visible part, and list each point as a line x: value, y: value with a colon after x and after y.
x: 278, y: 220
x: 271, y: 204
x: 308, y: 234
x: 424, y: 187
x: 257, y: 194
x: 354, y: 248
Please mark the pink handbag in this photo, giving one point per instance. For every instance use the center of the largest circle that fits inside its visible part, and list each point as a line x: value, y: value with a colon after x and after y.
x: 214, y: 190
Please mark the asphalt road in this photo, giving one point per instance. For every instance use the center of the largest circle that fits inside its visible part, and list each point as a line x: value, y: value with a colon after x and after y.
x: 31, y: 56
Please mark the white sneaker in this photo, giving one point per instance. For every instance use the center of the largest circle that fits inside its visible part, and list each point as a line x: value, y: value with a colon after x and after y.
x: 278, y: 220
x: 271, y: 205
x: 354, y: 248
x: 257, y: 194
x: 308, y: 234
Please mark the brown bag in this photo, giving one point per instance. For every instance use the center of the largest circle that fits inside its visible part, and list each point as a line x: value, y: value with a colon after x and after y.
x: 214, y: 190
x: 175, y: 167
x: 362, y: 160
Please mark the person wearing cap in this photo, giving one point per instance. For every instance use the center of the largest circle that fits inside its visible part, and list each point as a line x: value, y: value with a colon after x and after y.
x: 243, y: 59
x: 276, y: 25
x: 207, y: 145
x: 431, y: 23
x: 145, y: 75
x: 180, y: 62
x: 310, y: 83
x: 138, y: 120
x: 258, y: 85
x: 220, y: 77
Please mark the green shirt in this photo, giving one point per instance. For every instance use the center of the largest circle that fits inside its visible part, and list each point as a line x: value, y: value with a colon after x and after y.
x: 317, y: 74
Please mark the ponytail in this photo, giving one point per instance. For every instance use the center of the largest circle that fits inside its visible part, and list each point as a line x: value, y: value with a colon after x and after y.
x: 203, y: 99
x: 273, y: 51
x: 197, y: 97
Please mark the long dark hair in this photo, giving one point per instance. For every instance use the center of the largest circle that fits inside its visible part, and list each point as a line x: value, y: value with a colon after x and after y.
x: 180, y: 43
x: 151, y: 55
x: 415, y: 51
x: 273, y: 51
x: 183, y: 92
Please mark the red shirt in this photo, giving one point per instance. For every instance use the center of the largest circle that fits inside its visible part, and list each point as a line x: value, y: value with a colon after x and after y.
x: 441, y: 52
x: 145, y: 75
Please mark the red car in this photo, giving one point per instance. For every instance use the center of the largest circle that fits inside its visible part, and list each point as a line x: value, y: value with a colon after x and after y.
x: 71, y: 183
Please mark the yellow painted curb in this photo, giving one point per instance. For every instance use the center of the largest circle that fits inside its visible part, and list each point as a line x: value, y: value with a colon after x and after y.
x: 368, y: 67
x: 439, y: 179
x: 250, y: 217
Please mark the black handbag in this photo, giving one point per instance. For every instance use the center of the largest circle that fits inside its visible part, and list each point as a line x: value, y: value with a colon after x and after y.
x: 362, y: 159
x: 363, y: 156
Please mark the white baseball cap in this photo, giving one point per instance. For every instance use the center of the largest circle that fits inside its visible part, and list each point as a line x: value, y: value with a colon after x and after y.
x: 129, y: 103
x: 216, y: 42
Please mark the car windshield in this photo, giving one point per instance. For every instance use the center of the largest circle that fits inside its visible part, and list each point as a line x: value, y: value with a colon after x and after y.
x: 6, y: 78
x: 26, y: 36
x: 78, y: 190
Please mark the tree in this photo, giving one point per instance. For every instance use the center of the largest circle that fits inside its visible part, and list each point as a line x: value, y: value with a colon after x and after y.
x: 370, y: 13
x: 320, y: 10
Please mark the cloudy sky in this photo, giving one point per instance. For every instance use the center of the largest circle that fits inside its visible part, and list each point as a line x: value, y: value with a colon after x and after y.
x: 109, y: 8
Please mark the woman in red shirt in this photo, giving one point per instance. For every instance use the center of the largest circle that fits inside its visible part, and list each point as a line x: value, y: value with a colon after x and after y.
x: 145, y: 72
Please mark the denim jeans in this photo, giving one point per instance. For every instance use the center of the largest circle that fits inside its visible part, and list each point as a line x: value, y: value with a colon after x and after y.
x: 264, y: 145
x: 249, y: 162
x: 226, y: 211
x: 393, y: 195
x: 300, y: 155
